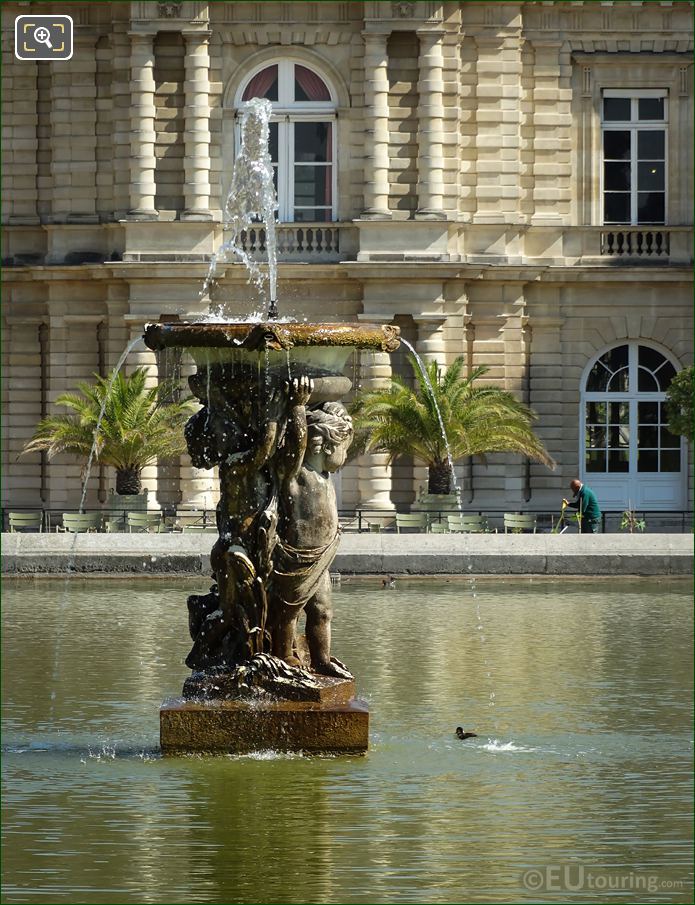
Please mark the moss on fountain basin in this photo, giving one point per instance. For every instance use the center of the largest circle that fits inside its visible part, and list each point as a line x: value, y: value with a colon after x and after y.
x: 283, y: 350
x: 271, y: 335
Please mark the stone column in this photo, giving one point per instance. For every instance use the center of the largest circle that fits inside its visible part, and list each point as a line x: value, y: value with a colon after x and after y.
x: 374, y: 475
x: 430, y: 127
x: 120, y: 139
x: 142, y: 134
x: 197, y: 127
x: 376, y: 134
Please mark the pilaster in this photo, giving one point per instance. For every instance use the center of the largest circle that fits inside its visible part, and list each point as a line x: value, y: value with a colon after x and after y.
x: 430, y: 345
x: 547, y: 395
x: 468, y: 346
x: 104, y: 128
x: 552, y: 132
x: 466, y: 151
x: 198, y: 488
x: 116, y: 330
x: 73, y: 135
x: 513, y: 320
x: 21, y: 399
x: 498, y: 127
x: 526, y: 134
x: 20, y: 139
x: 62, y: 474
x: 169, y: 471
x: 374, y: 474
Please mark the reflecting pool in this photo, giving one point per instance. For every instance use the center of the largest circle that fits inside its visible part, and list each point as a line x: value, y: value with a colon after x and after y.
x: 578, y: 787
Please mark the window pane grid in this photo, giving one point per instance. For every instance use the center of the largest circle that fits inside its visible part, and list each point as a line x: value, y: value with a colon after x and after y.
x: 630, y: 435
x: 658, y: 448
x: 634, y: 159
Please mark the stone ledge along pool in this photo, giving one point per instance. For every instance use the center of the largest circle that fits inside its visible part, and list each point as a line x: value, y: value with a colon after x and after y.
x: 614, y: 554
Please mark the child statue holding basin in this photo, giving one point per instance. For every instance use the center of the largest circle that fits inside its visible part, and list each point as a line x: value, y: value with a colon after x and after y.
x: 316, y: 445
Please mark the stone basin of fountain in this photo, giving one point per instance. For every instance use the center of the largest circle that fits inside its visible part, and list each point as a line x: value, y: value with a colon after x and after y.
x: 281, y: 350
x: 271, y: 420
x: 255, y: 336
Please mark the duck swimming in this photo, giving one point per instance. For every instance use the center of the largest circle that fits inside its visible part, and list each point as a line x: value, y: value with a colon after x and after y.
x: 389, y: 582
x: 464, y: 735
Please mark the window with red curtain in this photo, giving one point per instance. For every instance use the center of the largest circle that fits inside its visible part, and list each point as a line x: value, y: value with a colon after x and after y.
x: 308, y: 86
x: 263, y: 84
x: 302, y: 145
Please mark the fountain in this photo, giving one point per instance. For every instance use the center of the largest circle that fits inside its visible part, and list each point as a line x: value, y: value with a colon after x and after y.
x: 272, y: 420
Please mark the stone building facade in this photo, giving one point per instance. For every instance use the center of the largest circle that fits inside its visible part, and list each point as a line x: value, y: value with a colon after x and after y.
x: 511, y: 182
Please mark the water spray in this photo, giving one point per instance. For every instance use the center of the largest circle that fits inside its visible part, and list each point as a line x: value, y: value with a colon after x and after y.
x: 250, y: 209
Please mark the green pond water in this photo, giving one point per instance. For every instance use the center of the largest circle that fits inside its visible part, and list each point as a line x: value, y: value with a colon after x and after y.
x: 578, y: 787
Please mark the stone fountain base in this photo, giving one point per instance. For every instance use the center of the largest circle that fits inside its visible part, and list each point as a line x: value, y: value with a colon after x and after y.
x: 334, y: 722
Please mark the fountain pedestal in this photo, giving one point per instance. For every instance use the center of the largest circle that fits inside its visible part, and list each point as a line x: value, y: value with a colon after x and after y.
x: 335, y: 723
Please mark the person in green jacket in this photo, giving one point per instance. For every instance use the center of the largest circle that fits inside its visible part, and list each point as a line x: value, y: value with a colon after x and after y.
x: 587, y: 507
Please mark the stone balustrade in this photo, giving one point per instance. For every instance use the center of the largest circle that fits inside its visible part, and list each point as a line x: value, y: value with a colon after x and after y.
x: 303, y: 242
x: 637, y: 243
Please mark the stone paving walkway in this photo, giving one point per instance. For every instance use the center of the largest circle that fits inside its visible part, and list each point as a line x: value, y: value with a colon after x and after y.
x: 425, y: 554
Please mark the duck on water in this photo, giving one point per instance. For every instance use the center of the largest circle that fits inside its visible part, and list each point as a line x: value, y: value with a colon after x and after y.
x: 464, y: 735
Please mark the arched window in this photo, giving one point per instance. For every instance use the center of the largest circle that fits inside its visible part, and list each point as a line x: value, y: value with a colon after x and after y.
x: 628, y: 451
x: 302, y: 139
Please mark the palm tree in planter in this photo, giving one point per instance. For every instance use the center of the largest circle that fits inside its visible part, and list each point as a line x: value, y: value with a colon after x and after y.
x: 478, y: 419
x: 139, y: 425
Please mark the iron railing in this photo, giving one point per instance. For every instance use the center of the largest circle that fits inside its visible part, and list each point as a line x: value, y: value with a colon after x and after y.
x: 364, y: 520
x: 662, y: 521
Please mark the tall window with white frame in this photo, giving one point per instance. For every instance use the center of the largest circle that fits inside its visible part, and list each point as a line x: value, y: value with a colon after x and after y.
x: 634, y: 156
x: 302, y: 139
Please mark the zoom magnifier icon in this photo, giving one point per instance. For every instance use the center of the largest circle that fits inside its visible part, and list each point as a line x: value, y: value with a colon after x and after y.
x: 43, y: 38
